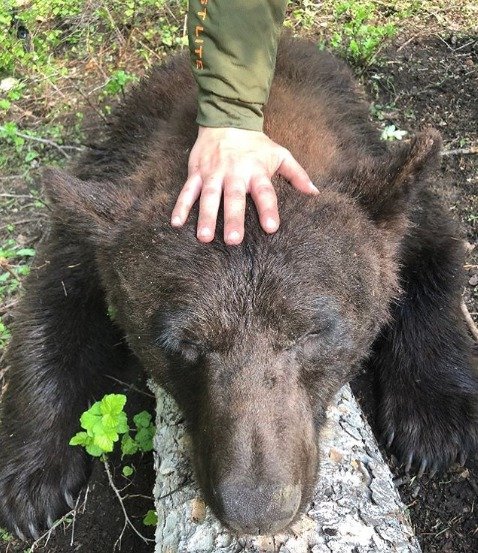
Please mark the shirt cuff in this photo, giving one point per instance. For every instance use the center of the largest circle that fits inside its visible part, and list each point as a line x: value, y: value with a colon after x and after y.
x: 216, y: 111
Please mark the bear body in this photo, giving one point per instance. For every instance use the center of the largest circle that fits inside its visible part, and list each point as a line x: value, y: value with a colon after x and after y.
x: 252, y: 340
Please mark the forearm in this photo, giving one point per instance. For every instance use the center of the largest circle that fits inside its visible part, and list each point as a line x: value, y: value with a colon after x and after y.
x: 233, y: 47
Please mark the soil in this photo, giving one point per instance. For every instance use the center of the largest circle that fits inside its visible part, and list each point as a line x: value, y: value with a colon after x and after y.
x: 422, y: 82
x: 435, y: 83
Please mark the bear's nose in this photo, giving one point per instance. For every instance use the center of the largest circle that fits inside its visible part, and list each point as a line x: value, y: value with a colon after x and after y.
x: 261, y: 509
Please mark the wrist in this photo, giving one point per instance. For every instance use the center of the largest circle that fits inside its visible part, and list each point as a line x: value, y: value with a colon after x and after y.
x: 232, y: 132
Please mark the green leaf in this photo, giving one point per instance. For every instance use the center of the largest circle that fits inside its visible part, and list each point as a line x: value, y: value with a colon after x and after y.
x: 30, y: 156
x: 142, y: 420
x: 95, y: 409
x: 110, y: 433
x: 89, y: 421
x: 112, y: 311
x: 109, y: 421
x: 94, y: 450
x: 122, y: 423
x: 127, y: 471
x: 151, y: 518
x: 104, y: 421
x: 128, y: 445
x: 81, y: 438
x: 113, y: 404
x: 103, y: 442
x: 144, y: 439
x: 26, y: 252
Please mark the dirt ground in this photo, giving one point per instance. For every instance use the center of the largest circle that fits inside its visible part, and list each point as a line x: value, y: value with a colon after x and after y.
x: 419, y: 83
x: 436, y: 83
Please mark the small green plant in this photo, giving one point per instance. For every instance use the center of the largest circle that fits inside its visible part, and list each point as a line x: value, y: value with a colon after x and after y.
x: 151, y: 518
x: 117, y: 82
x: 103, y: 424
x: 302, y: 15
x: 28, y: 144
x: 359, y: 37
x: 5, y: 536
x: 390, y: 132
x: 14, y: 264
x: 4, y: 335
x: 127, y: 471
x: 106, y: 421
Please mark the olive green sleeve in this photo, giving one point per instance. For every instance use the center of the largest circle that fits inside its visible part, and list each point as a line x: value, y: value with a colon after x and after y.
x: 233, y: 46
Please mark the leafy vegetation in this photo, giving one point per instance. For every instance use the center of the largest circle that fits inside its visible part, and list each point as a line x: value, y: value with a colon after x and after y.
x: 106, y: 421
x: 151, y: 518
x: 5, y: 537
x: 55, y: 55
x: 14, y: 262
x: 103, y: 424
x: 390, y: 132
x: 359, y: 36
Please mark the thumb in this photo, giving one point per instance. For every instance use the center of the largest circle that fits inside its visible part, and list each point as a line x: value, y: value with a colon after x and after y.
x: 291, y: 170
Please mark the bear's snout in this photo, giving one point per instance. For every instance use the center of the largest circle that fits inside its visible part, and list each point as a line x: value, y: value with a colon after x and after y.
x: 258, y: 509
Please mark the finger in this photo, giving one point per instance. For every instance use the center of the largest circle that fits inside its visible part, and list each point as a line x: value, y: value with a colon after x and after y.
x: 295, y: 174
x: 234, y: 209
x: 188, y: 195
x: 208, y: 207
x: 264, y: 196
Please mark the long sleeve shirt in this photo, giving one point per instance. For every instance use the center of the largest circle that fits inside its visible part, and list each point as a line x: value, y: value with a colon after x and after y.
x: 233, y: 45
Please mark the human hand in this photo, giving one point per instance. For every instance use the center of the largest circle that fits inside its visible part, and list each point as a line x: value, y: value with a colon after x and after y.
x: 235, y: 162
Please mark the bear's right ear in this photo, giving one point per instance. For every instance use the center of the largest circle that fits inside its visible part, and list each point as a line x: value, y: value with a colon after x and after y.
x: 91, y: 208
x: 385, y: 186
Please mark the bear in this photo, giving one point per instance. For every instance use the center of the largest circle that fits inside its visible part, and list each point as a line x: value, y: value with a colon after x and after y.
x: 252, y: 340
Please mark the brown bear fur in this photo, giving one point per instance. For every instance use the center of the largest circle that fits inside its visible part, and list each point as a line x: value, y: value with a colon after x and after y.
x: 252, y: 340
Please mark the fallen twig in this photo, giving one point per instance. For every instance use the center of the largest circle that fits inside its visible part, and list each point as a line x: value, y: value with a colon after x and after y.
x: 461, y: 151
x: 59, y: 147
x: 127, y: 520
x: 5, y: 265
x: 19, y: 196
x: 74, y: 516
x: 47, y: 535
x: 22, y: 221
x: 11, y: 177
x: 469, y: 320
x: 406, y: 43
x: 5, y: 308
x: 130, y: 386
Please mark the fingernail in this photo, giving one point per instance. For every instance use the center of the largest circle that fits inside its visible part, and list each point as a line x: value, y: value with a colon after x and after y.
x: 271, y: 224
x: 204, y: 232
x: 233, y: 236
x: 313, y: 188
x: 176, y: 221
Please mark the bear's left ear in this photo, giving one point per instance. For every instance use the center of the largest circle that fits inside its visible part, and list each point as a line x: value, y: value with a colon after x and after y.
x: 90, y: 208
x: 394, y: 179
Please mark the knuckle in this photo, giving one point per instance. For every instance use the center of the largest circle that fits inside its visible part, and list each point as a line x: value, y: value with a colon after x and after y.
x: 232, y: 223
x: 286, y: 153
x: 263, y: 189
x: 210, y: 190
x: 235, y: 192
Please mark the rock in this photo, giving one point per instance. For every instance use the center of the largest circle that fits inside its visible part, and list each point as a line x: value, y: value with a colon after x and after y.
x: 8, y: 83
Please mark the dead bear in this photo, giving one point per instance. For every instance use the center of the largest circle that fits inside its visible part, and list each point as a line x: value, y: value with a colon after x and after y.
x: 252, y: 340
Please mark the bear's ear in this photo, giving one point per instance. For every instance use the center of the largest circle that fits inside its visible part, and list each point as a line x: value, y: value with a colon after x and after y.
x: 394, y: 180
x: 90, y: 208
